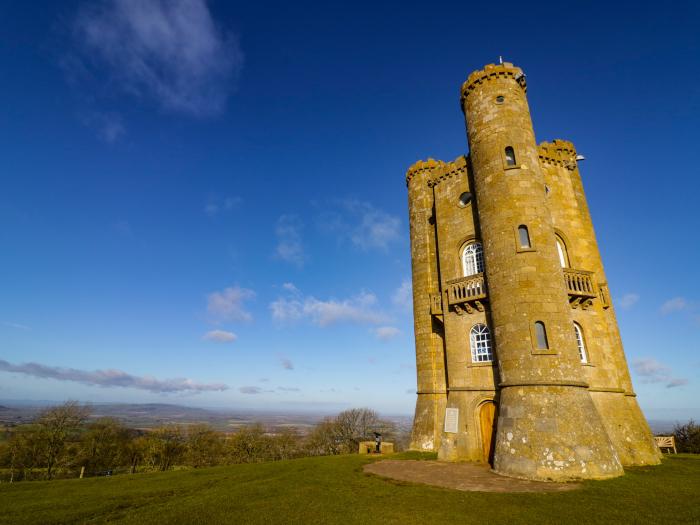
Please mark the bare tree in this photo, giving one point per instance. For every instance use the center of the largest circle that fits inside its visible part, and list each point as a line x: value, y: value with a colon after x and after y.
x: 249, y: 445
x: 355, y: 425
x: 204, y: 446
x: 56, y: 426
x: 103, y: 445
x: 164, y: 447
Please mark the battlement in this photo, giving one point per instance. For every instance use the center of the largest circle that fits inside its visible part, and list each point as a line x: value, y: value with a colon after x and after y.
x: 448, y: 169
x: 422, y: 166
x: 559, y: 152
x: 492, y: 72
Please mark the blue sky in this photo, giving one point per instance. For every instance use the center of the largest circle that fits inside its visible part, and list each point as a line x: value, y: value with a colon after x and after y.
x: 204, y: 203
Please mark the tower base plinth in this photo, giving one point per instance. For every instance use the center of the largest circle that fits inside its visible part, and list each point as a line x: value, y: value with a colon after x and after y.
x: 552, y: 433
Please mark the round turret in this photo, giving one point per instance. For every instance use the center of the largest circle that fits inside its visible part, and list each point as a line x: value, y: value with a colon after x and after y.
x: 548, y: 427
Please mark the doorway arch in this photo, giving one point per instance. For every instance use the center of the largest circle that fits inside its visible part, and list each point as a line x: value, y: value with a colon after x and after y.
x: 487, y: 421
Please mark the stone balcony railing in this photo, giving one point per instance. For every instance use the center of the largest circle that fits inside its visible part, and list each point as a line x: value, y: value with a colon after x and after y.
x: 579, y: 283
x: 469, y: 293
x: 466, y: 293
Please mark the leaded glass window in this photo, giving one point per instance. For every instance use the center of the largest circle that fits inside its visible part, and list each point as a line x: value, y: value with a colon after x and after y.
x: 580, y: 343
x: 473, y: 259
x: 480, y: 340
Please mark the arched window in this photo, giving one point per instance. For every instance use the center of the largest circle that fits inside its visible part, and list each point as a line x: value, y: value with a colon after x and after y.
x: 563, y: 253
x: 541, y: 335
x: 524, y: 236
x: 473, y: 259
x: 480, y: 341
x: 581, y: 343
x: 510, y: 156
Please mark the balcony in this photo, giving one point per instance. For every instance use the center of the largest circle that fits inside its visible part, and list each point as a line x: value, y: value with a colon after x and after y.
x: 466, y: 293
x: 579, y: 285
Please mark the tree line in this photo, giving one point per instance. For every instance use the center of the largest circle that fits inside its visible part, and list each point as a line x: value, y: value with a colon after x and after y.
x: 63, y: 441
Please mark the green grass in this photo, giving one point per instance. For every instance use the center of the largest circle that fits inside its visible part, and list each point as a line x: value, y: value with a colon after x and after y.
x: 335, y: 490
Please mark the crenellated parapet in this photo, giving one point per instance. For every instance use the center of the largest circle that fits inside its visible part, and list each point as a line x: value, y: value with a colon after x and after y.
x: 448, y: 170
x: 560, y: 153
x: 423, y: 166
x: 492, y: 72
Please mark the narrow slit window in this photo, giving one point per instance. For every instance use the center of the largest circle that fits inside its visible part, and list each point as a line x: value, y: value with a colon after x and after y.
x: 510, y: 156
x: 563, y: 254
x: 541, y: 335
x: 580, y: 343
x: 524, y: 236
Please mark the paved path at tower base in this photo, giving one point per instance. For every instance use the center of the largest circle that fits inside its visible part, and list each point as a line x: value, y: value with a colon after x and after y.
x: 472, y: 477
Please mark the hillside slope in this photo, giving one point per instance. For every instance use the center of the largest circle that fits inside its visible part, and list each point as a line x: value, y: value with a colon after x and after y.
x: 335, y: 490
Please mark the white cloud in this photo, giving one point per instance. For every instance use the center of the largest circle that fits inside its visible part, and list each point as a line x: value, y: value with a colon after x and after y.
x: 364, y: 225
x: 385, y: 333
x: 170, y: 51
x: 357, y: 309
x: 220, y: 336
x: 403, y: 296
x: 652, y: 371
x: 289, y: 245
x: 628, y: 300
x: 227, y: 305
x: 288, y: 389
x: 111, y: 378
x: 289, y: 287
x: 676, y: 304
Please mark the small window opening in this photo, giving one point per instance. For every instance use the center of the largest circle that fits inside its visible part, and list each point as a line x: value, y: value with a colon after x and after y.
x: 500, y: 99
x: 524, y: 237
x: 510, y: 156
x: 464, y: 199
x: 580, y: 343
x: 541, y: 334
x: 563, y: 255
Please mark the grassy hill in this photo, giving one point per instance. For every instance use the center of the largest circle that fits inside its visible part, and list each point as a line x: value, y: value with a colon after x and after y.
x: 335, y: 490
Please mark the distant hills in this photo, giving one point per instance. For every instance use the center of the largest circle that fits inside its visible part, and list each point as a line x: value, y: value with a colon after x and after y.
x: 151, y: 415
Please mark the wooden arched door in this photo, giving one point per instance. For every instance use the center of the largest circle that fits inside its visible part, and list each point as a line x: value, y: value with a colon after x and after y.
x: 487, y: 420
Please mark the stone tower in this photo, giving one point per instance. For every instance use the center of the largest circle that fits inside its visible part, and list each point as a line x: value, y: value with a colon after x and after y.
x: 518, y: 353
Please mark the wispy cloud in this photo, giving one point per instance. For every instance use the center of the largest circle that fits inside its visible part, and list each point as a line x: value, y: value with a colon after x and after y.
x: 109, y: 126
x: 403, y: 296
x: 288, y: 389
x: 220, y: 336
x: 628, y: 300
x: 228, y: 304
x: 216, y: 206
x: 251, y: 390
x: 365, y: 226
x: 286, y: 363
x: 360, y: 308
x: 386, y: 333
x: 170, y: 51
x: 18, y: 326
x: 111, y: 378
x: 676, y: 304
x: 289, y: 240
x: 652, y: 371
